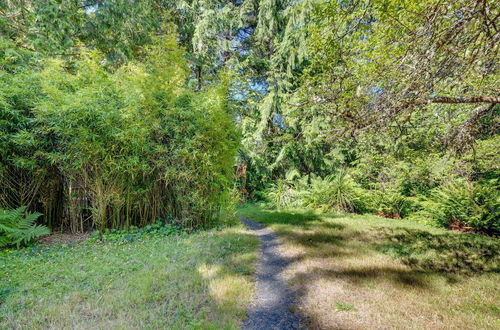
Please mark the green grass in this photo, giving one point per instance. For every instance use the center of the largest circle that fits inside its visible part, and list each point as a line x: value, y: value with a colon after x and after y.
x: 397, y: 273
x: 344, y: 307
x: 187, y: 281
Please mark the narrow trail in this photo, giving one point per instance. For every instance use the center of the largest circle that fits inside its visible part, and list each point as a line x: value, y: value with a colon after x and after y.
x: 273, y: 297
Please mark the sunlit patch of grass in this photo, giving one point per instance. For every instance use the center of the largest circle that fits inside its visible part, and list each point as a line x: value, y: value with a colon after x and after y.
x: 395, y: 273
x: 200, y: 280
x: 341, y: 307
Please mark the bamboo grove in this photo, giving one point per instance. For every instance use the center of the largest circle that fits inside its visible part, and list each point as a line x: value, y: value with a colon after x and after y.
x: 90, y: 148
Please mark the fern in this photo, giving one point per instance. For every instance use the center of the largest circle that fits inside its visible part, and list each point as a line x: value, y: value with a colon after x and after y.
x: 391, y: 203
x: 473, y: 204
x: 17, y: 227
x: 282, y: 195
x: 337, y: 192
x: 334, y: 192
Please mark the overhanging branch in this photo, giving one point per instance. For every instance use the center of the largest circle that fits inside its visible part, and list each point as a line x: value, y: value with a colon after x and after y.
x: 436, y: 99
x: 471, y: 99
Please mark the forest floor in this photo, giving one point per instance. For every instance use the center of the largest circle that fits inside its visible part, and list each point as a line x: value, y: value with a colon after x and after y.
x: 189, y: 281
x: 367, y: 272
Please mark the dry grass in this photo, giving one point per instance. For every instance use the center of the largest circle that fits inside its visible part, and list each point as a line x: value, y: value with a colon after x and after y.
x: 56, y: 238
x: 348, y: 279
x: 196, y: 281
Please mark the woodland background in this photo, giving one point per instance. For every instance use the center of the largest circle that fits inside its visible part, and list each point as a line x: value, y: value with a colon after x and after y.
x: 116, y: 113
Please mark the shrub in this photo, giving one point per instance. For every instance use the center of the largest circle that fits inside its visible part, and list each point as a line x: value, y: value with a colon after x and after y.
x: 17, y: 227
x: 474, y: 205
x: 122, y: 236
x: 337, y: 192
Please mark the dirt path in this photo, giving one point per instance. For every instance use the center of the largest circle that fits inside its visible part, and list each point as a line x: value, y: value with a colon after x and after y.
x: 273, y: 297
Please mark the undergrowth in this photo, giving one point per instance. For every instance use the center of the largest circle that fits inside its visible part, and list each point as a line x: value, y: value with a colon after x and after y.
x: 134, y: 233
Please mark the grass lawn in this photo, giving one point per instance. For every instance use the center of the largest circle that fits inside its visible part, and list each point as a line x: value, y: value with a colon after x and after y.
x: 188, y: 281
x: 366, y: 272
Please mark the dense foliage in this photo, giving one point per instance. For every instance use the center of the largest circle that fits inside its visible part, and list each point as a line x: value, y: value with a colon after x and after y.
x: 92, y: 147
x: 402, y: 96
x: 121, y: 112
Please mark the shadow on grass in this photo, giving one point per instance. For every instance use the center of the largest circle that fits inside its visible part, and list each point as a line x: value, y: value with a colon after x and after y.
x: 228, y: 276
x: 361, y: 276
x: 336, y: 244
x: 285, y: 217
x: 424, y: 252
x: 448, y: 253
x: 330, y: 252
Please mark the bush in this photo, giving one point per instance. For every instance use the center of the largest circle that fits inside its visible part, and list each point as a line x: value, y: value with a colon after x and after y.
x: 17, y: 227
x: 476, y: 206
x: 337, y: 192
x: 333, y: 192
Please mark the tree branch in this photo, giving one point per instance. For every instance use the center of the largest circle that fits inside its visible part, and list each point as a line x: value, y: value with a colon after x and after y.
x: 471, y: 99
